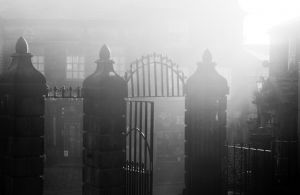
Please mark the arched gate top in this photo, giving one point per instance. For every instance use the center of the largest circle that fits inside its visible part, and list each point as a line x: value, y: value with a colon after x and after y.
x: 154, y: 75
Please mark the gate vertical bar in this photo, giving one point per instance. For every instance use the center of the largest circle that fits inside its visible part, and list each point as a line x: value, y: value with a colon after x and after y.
x: 145, y: 146
x: 137, y: 77
x: 227, y: 166
x: 234, y: 170
x: 140, y: 144
x: 167, y: 77
x: 135, y: 148
x: 177, y: 79
x: 241, y: 167
x: 151, y: 150
x: 149, y: 76
x: 131, y: 81
x: 146, y: 139
x: 162, y: 75
x: 172, y: 78
x: 130, y: 127
x: 144, y: 80
x: 129, y: 186
x: 155, y: 74
x: 135, y: 126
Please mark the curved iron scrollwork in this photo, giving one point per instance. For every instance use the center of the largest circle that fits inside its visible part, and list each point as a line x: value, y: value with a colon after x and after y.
x: 138, y: 170
x: 129, y: 131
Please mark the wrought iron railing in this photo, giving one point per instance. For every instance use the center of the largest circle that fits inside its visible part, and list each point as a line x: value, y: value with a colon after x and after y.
x: 64, y: 92
x: 249, y: 170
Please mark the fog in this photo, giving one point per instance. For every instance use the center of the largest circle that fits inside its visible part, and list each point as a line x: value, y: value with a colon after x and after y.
x: 180, y: 29
x: 236, y: 32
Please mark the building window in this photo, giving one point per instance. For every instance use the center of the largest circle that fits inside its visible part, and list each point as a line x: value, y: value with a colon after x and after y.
x: 75, y: 67
x: 38, y: 63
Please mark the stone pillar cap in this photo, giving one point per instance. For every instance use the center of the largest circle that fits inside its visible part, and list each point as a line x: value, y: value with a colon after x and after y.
x: 207, y: 57
x: 104, y: 53
x: 22, y: 46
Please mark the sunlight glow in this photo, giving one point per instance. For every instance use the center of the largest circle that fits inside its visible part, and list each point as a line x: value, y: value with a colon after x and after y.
x: 262, y: 15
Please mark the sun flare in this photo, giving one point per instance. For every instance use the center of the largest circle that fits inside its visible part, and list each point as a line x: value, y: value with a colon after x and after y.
x: 262, y: 15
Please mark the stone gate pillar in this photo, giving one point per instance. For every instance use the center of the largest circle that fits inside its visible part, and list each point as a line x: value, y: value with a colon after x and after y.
x: 205, y: 131
x: 22, y: 90
x: 104, y: 110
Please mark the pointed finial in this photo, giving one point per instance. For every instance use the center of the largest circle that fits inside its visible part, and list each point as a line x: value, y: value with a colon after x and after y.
x: 22, y: 46
x: 206, y: 57
x: 104, y: 53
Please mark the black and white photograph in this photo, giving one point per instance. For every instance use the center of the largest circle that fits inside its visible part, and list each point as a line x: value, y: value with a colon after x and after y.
x: 149, y: 97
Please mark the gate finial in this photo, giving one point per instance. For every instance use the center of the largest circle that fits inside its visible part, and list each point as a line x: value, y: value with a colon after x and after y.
x: 207, y: 57
x: 22, y: 46
x: 104, y: 53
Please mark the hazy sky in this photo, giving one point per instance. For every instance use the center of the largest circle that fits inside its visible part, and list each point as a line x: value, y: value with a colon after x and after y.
x: 260, y: 15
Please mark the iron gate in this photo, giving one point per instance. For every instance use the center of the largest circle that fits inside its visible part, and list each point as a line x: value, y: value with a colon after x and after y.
x: 139, y: 148
x: 149, y: 78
